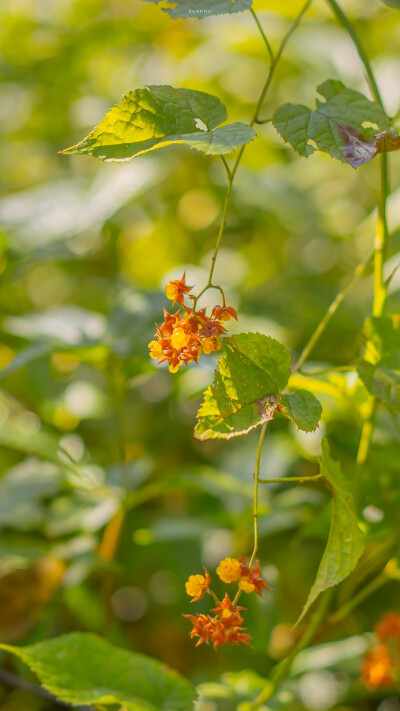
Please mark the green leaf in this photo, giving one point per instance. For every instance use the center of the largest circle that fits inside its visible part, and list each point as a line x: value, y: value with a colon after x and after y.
x: 302, y: 408
x: 392, y: 3
x: 81, y: 668
x: 337, y: 125
x: 346, y: 540
x: 246, y: 387
x: 382, y: 379
x: 243, y: 395
x: 202, y: 8
x: 156, y: 116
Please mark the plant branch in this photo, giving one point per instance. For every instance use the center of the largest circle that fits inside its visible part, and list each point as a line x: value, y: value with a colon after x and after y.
x: 232, y: 172
x: 263, y: 35
x: 256, y: 475
x: 284, y: 479
x: 359, y: 270
x: 362, y: 595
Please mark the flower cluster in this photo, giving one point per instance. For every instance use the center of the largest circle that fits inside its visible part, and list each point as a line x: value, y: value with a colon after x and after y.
x: 185, y: 334
x: 381, y: 666
x: 225, y: 626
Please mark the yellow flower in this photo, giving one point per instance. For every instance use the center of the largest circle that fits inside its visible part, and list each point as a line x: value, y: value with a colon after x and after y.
x: 229, y: 570
x: 211, y: 344
x: 155, y: 350
x: 246, y: 585
x: 179, y: 338
x: 174, y: 368
x: 197, y: 585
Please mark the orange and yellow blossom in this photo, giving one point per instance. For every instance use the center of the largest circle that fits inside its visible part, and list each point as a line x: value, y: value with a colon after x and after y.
x: 377, y: 668
x: 251, y: 579
x: 229, y: 570
x: 197, y: 585
x: 381, y: 666
x: 175, y: 290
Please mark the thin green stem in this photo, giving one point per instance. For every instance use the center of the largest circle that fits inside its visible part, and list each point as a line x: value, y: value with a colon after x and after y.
x: 351, y: 31
x: 282, y: 670
x: 263, y: 35
x: 221, y: 229
x: 232, y: 172
x: 285, y: 479
x: 256, y: 475
x: 359, y: 270
x: 362, y: 595
x: 227, y: 168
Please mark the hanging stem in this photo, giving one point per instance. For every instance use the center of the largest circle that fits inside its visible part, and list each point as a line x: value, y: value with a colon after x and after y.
x: 232, y: 172
x: 256, y: 475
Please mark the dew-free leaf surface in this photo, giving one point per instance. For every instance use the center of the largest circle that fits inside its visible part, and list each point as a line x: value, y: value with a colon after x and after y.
x: 340, y: 125
x: 246, y: 390
x: 153, y: 117
x: 81, y: 668
x: 346, y: 540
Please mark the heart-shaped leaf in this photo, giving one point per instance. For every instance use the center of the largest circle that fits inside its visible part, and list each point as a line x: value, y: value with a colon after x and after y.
x: 157, y: 116
x: 338, y: 126
x: 246, y: 391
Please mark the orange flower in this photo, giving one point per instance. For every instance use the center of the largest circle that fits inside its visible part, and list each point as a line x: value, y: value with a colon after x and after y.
x: 224, y: 628
x: 182, y: 338
x: 251, y: 579
x: 211, y: 344
x: 389, y: 628
x: 377, y: 668
x: 224, y: 313
x: 175, y: 290
x: 229, y: 570
x: 197, y: 585
x: 202, y: 628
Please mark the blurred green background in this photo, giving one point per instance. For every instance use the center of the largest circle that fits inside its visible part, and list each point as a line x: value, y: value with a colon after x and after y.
x: 85, y: 250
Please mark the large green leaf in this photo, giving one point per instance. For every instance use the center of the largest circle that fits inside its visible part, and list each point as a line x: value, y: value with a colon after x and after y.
x: 246, y: 389
x: 346, y: 540
x: 337, y: 125
x: 202, y: 8
x: 81, y: 668
x: 156, y: 116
